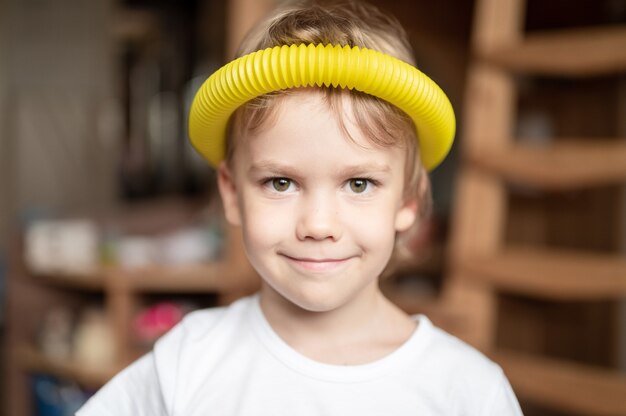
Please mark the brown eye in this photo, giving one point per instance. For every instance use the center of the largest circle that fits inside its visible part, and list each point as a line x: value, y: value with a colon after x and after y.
x: 358, y: 186
x: 281, y: 184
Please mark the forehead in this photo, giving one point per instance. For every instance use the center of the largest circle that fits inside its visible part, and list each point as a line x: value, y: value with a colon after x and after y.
x: 306, y: 129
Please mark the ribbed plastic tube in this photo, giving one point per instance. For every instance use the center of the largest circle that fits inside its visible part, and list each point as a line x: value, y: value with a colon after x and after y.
x: 294, y: 66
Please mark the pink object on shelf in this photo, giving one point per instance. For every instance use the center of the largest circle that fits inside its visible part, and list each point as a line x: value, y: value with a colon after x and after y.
x: 156, y: 320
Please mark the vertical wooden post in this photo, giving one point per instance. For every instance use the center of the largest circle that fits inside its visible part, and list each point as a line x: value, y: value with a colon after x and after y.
x: 479, y: 214
x: 621, y: 229
x: 119, y: 299
x: 242, y: 15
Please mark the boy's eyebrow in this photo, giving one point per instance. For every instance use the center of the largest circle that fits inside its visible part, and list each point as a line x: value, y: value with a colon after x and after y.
x: 264, y: 166
x: 343, y: 171
x: 364, y: 168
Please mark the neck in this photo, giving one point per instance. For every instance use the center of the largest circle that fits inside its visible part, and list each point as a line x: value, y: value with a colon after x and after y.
x: 286, y: 316
x: 368, y: 322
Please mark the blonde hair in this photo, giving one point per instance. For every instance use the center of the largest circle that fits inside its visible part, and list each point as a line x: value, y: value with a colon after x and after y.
x: 353, y: 24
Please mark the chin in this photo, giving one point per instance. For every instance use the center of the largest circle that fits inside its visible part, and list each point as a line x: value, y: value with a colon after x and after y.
x: 311, y: 300
x: 314, y: 300
x: 315, y: 305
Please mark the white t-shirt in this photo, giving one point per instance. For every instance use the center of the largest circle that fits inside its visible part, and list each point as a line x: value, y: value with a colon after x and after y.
x: 229, y: 361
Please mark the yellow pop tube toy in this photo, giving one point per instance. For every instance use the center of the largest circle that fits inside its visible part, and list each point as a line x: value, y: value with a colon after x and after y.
x: 294, y: 66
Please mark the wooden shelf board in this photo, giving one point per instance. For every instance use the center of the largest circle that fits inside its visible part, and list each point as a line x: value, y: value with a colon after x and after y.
x: 203, y: 278
x: 30, y: 359
x: 83, y: 281
x: 568, y: 386
x: 568, y: 164
x: 552, y: 274
x: 572, y: 52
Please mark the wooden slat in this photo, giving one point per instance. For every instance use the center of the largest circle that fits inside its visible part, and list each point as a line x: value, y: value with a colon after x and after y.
x: 478, y: 217
x: 201, y: 278
x: 78, y: 281
x: 568, y: 386
x: 573, y: 53
x: 552, y: 274
x: 497, y: 23
x: 242, y: 15
x: 567, y: 164
x: 190, y: 278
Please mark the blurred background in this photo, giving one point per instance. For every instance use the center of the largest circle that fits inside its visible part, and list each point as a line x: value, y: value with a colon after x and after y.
x: 111, y: 229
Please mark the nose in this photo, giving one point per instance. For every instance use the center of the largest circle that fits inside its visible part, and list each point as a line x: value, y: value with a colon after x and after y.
x: 318, y: 218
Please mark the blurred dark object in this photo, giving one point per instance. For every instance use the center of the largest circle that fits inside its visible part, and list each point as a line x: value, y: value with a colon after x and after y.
x: 158, y: 66
x: 55, y: 397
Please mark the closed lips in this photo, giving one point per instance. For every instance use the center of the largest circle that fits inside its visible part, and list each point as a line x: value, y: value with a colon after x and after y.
x: 315, y: 260
x: 317, y: 264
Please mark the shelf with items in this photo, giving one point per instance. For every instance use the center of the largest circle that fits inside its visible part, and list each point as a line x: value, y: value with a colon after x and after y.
x: 119, y: 292
x: 32, y: 360
x: 30, y: 304
x: 192, y: 278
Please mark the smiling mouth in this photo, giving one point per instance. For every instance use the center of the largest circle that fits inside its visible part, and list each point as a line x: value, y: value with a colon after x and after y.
x: 317, y: 265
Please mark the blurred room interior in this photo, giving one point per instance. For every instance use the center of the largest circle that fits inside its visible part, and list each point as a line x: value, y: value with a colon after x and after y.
x: 111, y: 229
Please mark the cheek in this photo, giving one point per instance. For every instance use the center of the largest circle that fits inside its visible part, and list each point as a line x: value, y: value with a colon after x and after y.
x: 372, y: 225
x: 264, y: 224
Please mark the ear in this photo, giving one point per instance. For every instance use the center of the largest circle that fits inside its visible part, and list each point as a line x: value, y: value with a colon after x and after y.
x: 406, y: 215
x: 228, y: 191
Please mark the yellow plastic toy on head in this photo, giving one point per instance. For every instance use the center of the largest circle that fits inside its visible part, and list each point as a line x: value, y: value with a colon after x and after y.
x: 294, y: 66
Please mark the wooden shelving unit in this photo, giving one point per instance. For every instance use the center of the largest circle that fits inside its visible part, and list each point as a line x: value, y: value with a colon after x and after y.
x: 114, y: 282
x: 576, y: 388
x: 121, y: 292
x: 489, y: 269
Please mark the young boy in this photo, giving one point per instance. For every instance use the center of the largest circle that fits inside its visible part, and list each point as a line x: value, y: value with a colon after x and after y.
x: 322, y: 180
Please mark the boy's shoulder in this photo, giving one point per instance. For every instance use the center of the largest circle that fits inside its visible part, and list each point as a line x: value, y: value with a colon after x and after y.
x: 203, y: 336
x: 456, y: 358
x: 463, y: 376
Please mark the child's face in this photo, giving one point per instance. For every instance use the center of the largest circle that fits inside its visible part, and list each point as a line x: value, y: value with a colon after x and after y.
x: 319, y: 213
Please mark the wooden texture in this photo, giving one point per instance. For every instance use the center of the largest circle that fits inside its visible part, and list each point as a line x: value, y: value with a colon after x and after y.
x: 575, y: 388
x: 552, y: 274
x: 242, y: 16
x: 478, y: 215
x: 482, y: 263
x: 565, y: 165
x: 573, y: 52
x: 497, y: 23
x: 193, y: 278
